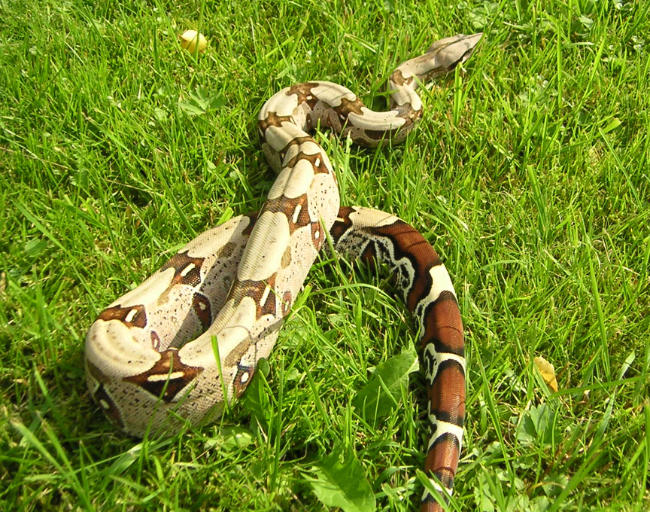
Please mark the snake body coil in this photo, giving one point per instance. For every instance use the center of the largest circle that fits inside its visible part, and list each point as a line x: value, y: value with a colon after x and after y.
x: 187, y: 339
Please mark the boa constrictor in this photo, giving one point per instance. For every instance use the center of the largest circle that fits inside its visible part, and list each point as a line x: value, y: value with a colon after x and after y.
x: 188, y: 339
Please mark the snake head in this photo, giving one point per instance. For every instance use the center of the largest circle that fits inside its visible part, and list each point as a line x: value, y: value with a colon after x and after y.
x: 441, y: 57
x: 456, y: 49
x: 444, y: 55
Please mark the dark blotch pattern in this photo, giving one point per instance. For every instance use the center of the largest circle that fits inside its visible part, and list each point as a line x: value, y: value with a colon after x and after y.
x: 272, y: 119
x: 161, y: 385
x: 136, y: 314
x: 256, y: 290
x: 187, y: 270
x: 202, y: 308
x: 242, y: 379
x: 287, y: 207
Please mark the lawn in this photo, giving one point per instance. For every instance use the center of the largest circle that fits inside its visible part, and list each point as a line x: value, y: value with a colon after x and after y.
x: 529, y: 173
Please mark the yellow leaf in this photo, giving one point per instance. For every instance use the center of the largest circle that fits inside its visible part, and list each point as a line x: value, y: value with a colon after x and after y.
x: 192, y: 40
x: 547, y: 372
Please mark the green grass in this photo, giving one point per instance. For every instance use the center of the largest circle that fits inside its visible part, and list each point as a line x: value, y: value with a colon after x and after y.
x: 529, y: 173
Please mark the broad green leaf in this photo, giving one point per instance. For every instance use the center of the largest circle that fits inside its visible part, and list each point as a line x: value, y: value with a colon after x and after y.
x: 380, y: 396
x: 232, y: 438
x: 191, y: 108
x: 612, y: 125
x: 537, y: 425
x: 201, y: 101
x: 340, y: 482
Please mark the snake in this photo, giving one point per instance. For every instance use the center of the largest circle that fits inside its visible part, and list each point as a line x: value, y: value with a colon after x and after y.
x: 185, y: 343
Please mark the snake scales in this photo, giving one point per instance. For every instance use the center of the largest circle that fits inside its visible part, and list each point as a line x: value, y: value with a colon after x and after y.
x: 152, y: 361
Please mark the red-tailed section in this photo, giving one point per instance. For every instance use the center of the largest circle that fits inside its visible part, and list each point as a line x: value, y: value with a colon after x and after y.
x: 411, y: 244
x: 443, y: 456
x: 443, y: 326
x: 447, y: 394
x: 430, y: 505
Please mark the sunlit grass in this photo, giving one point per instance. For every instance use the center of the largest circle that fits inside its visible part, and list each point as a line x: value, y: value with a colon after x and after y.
x: 529, y: 174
